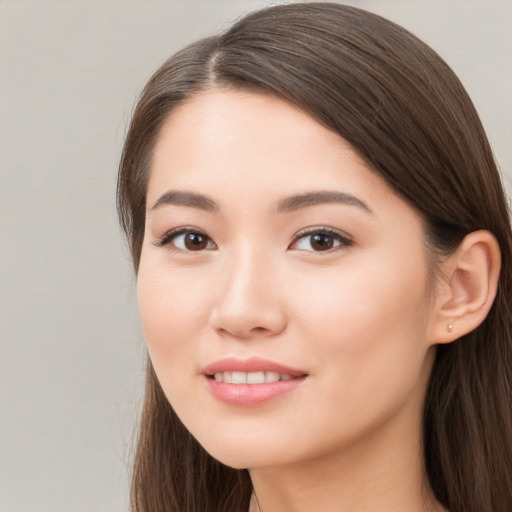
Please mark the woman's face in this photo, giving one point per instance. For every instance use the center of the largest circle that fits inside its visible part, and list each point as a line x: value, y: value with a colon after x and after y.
x: 273, y: 253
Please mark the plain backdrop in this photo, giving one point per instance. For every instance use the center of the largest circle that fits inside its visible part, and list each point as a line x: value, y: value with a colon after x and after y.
x: 71, y: 348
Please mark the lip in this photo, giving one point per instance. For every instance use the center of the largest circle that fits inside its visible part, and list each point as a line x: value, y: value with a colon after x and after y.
x: 252, y: 364
x: 250, y: 395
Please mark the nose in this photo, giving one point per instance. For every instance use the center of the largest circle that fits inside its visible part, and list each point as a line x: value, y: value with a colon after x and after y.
x: 249, y: 304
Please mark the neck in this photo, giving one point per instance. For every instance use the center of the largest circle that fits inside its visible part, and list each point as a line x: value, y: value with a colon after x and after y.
x: 384, y: 472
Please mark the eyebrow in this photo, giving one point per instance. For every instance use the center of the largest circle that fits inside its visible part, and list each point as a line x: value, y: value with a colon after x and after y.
x: 190, y: 199
x: 309, y: 199
x: 289, y: 204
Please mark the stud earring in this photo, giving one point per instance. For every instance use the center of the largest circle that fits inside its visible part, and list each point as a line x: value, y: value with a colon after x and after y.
x: 450, y: 327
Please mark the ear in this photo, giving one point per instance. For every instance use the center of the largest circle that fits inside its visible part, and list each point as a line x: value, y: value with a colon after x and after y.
x: 466, y: 287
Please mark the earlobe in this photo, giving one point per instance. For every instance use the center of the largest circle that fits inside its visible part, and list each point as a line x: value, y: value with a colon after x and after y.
x: 467, y: 287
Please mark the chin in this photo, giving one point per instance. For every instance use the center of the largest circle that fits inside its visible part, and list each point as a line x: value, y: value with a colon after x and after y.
x: 245, y: 460
x: 245, y: 453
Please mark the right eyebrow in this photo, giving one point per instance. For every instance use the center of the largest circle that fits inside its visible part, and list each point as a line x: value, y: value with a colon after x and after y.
x: 190, y: 199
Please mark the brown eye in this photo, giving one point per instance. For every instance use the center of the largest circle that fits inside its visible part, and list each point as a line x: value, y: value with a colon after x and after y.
x: 186, y: 240
x: 321, y: 241
x: 195, y: 241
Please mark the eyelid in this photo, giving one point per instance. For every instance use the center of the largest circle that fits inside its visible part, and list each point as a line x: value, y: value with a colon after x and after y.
x: 344, y: 239
x: 173, y: 233
x: 170, y: 235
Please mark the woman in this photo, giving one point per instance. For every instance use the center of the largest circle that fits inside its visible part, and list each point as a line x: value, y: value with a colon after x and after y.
x: 323, y: 252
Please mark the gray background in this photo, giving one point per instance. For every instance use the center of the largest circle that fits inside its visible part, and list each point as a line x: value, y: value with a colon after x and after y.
x: 71, y: 350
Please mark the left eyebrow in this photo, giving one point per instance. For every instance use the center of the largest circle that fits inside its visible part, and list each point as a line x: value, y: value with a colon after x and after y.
x: 315, y: 198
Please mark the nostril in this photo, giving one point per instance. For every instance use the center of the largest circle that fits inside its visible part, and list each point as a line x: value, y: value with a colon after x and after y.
x: 246, y: 320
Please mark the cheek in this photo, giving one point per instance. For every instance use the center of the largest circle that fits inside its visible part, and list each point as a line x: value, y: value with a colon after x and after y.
x: 364, y: 334
x: 369, y: 326
x: 354, y: 299
x: 172, y: 311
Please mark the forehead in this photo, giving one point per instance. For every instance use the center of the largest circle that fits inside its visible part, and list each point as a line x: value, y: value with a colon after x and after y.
x: 218, y: 130
x: 244, y: 123
x: 236, y: 145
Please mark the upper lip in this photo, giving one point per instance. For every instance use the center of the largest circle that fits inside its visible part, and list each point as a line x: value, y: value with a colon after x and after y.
x: 252, y: 364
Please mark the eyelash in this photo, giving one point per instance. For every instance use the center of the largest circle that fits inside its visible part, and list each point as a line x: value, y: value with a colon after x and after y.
x: 343, y: 240
x: 171, y: 235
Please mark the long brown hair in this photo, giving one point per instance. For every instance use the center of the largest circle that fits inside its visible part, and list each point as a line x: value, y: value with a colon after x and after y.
x: 406, y: 113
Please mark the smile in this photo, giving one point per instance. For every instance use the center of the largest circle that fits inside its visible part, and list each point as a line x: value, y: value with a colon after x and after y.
x: 251, y: 377
x: 250, y: 382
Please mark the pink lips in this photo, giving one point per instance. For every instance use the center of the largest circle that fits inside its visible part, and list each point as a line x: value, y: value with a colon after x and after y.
x: 247, y: 394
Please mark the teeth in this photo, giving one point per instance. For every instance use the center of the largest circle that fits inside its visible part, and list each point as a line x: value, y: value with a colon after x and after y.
x: 256, y: 378
x: 239, y: 378
x: 251, y: 377
x: 272, y: 376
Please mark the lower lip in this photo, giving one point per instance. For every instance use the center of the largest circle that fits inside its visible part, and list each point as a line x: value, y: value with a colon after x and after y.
x: 251, y: 395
